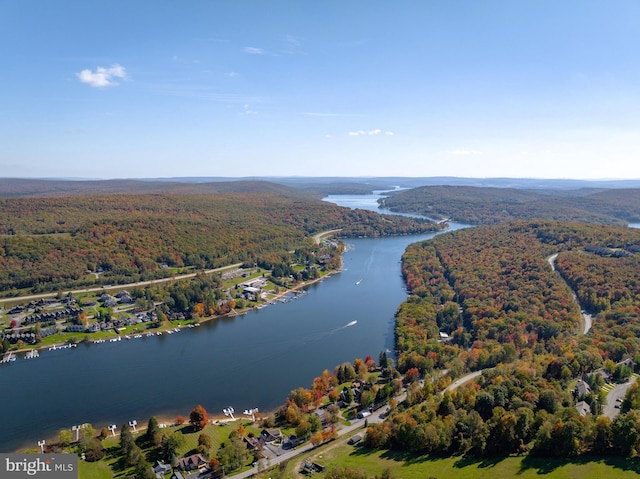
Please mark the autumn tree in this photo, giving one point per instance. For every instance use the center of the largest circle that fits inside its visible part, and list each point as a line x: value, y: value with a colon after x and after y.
x: 198, y: 417
x: 205, y: 443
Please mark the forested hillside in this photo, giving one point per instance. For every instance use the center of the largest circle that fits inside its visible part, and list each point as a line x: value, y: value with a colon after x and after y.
x: 473, y: 205
x: 487, y: 297
x: 50, y: 243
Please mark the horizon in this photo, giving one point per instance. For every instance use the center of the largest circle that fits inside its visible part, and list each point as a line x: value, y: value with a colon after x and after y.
x: 121, y: 90
x: 323, y: 177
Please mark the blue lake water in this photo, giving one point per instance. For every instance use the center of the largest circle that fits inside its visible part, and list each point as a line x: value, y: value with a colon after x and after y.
x: 248, y: 361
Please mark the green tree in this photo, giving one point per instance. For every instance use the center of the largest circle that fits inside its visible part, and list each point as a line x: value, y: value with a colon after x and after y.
x: 144, y: 470
x: 170, y: 445
x: 204, y: 445
x: 153, y: 434
x: 64, y: 437
x: 233, y: 454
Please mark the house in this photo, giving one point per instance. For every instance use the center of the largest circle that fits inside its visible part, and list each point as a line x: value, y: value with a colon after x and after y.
x: 189, y: 463
x: 270, y: 435
x: 626, y: 362
x: 582, y: 389
x: 325, y: 418
x: 583, y: 408
x: 251, y: 293
x: 291, y: 442
x: 161, y: 469
x: 254, y: 442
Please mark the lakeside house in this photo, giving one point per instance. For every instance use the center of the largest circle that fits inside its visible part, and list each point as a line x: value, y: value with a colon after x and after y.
x: 161, y: 469
x: 271, y: 435
x: 189, y: 463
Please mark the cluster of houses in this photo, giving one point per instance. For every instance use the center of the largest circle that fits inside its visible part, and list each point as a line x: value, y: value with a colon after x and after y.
x: 186, y: 464
x: 113, y: 324
x: 29, y: 337
x: 272, y: 437
x: 582, y: 389
x: 252, y: 288
x: 52, y: 316
x: 122, y: 297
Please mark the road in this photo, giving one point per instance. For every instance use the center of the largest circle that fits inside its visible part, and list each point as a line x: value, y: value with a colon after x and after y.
x: 356, y: 424
x: 585, y: 316
x: 614, y: 397
x: 121, y: 286
x: 324, y: 234
x: 464, y: 379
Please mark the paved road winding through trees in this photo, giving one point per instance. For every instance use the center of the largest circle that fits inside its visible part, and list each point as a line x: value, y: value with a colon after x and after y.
x: 585, y: 316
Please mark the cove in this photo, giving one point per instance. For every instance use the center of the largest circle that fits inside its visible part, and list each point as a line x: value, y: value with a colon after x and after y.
x: 246, y: 361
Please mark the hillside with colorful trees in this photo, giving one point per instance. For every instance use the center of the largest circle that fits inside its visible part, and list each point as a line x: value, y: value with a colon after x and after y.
x: 484, y: 205
x: 61, y: 242
x: 487, y: 299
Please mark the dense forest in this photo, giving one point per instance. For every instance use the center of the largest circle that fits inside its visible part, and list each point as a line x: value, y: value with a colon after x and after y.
x: 51, y: 243
x: 474, y: 205
x: 488, y: 299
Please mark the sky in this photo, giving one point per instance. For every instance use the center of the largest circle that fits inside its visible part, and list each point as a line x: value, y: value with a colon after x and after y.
x: 177, y: 88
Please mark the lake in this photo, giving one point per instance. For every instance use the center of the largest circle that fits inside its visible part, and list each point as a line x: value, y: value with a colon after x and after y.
x: 247, y: 361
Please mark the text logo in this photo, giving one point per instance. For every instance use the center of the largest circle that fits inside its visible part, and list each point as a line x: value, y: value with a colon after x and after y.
x: 44, y: 466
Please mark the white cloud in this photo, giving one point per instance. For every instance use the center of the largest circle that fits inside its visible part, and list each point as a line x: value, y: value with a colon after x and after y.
x: 231, y: 74
x: 247, y: 110
x: 375, y: 132
x: 102, y: 76
x: 464, y: 152
x: 254, y: 50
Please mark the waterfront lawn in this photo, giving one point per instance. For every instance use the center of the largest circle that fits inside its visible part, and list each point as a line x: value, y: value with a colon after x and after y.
x: 111, y: 467
x: 411, y: 466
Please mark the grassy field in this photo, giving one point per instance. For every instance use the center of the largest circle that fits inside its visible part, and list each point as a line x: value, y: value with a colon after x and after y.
x: 408, y: 466
x: 109, y: 467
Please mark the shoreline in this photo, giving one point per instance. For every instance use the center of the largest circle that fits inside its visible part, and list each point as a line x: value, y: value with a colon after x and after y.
x: 167, y: 419
x: 164, y: 421
x: 276, y: 297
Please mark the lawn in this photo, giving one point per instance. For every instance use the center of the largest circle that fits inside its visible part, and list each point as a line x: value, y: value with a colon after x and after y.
x: 109, y: 467
x: 408, y: 466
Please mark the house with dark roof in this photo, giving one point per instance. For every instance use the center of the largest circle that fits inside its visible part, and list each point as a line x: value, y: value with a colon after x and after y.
x: 270, y: 435
x: 161, y: 469
x: 583, y: 408
x: 189, y: 463
x: 582, y: 389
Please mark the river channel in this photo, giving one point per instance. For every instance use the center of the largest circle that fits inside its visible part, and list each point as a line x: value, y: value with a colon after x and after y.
x: 244, y: 362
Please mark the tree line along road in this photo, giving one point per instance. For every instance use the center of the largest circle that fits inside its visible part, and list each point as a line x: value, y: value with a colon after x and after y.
x: 122, y: 286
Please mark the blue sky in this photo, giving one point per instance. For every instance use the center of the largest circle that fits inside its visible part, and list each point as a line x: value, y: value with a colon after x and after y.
x: 126, y: 89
